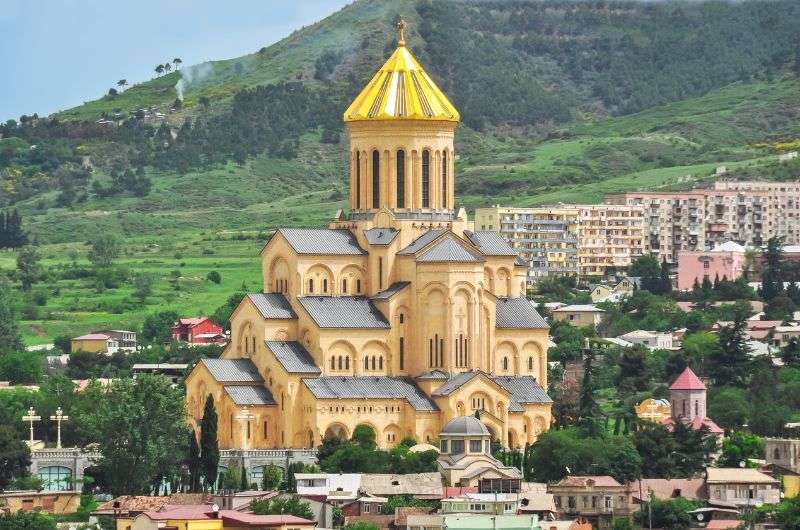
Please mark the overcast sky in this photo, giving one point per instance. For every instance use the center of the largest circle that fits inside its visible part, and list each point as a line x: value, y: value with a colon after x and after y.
x: 55, y: 54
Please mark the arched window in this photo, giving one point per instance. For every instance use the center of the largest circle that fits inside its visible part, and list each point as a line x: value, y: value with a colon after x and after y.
x: 358, y: 180
x: 311, y: 285
x: 325, y: 285
x: 444, y: 179
x: 530, y: 363
x: 401, y: 179
x: 426, y: 179
x: 373, y: 362
x: 402, y: 318
x: 380, y: 362
x: 505, y: 363
x: 402, y: 353
x: 344, y: 285
x: 358, y: 286
x: 376, y: 179
x: 347, y: 362
x: 340, y: 362
x: 333, y: 363
x: 366, y: 363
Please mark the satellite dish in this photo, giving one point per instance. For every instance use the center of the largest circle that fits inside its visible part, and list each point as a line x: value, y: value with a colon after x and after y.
x: 215, y: 507
x: 700, y: 517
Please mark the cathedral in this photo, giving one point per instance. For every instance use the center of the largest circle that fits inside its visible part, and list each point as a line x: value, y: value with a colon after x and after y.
x: 398, y: 315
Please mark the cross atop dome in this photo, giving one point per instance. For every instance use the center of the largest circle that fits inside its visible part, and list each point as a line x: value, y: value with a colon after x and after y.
x: 401, y: 28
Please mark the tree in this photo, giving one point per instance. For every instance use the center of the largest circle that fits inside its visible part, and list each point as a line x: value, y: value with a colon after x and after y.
x: 28, y: 267
x: 790, y: 354
x: 364, y: 436
x: 10, y: 338
x: 21, y: 367
x: 729, y: 406
x: 177, y: 62
x: 194, y: 462
x: 668, y: 513
x: 588, y: 409
x: 222, y: 315
x: 653, y: 277
x: 209, y: 445
x: 104, y: 250
x: 214, y: 277
x: 728, y: 363
x: 633, y: 373
x: 122, y: 83
x: 156, y: 327
x: 273, y: 476
x: 204, y: 101
x: 140, y: 427
x: 289, y: 505
x: 772, y: 277
x: 15, y: 457
x: 566, y: 397
x: 112, y: 92
x: 25, y: 520
x: 167, y: 67
x: 739, y: 447
x: 694, y: 448
x: 159, y: 69
x: 665, y: 282
x: 656, y: 446
x: 787, y: 514
x: 360, y: 525
x: 142, y: 287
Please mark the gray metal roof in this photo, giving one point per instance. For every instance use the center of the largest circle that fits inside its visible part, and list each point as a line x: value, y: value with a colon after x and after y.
x: 490, y: 243
x: 517, y: 313
x: 370, y: 387
x: 294, y: 358
x: 523, y: 389
x: 520, y: 262
x: 434, y: 374
x: 466, y: 426
x: 343, y: 312
x: 322, y: 241
x: 233, y: 370
x: 272, y: 305
x: 390, y: 291
x: 380, y: 236
x: 250, y: 395
x: 455, y: 382
x: 422, y: 241
x: 448, y: 250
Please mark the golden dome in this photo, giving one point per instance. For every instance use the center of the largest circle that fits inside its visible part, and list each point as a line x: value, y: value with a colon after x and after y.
x: 401, y: 90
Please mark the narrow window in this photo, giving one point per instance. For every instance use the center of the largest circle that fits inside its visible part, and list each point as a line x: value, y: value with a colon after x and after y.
x: 376, y: 179
x: 344, y: 286
x: 430, y: 352
x: 358, y: 286
x: 401, y: 179
x: 265, y: 430
x: 358, y: 180
x: 426, y: 179
x: 530, y: 363
x: 505, y: 363
x: 402, y: 352
x: 366, y: 363
x: 333, y: 363
x: 347, y: 362
x: 373, y: 362
x: 444, y: 179
x: 441, y: 351
x: 380, y: 273
x: 380, y: 362
x: 340, y: 362
x: 401, y: 318
x: 311, y: 285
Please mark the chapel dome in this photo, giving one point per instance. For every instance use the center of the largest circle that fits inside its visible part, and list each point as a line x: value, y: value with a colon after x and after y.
x: 401, y: 90
x: 465, y: 426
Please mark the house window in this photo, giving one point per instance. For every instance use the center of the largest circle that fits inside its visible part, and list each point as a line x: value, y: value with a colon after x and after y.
x: 380, y: 273
x: 376, y: 179
x: 426, y: 178
x: 401, y: 180
x: 457, y: 446
x: 333, y: 363
x: 367, y: 507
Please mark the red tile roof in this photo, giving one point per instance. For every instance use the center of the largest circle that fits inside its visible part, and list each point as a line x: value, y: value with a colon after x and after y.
x: 687, y: 381
x: 723, y: 524
x: 456, y: 491
x: 602, y: 481
x: 664, y: 488
x: 185, y: 513
x: 696, y: 423
x: 250, y: 519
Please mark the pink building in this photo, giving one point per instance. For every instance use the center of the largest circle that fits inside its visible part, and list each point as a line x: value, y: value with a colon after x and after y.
x: 726, y: 261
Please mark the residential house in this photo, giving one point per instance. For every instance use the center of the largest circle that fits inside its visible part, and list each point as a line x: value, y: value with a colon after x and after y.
x: 483, y: 503
x: 125, y: 508
x: 653, y: 340
x: 53, y: 502
x: 756, y: 329
x: 173, y: 371
x: 715, y: 518
x: 645, y: 489
x: 337, y: 488
x: 612, y: 292
x: 723, y: 261
x: 597, y: 499
x: 199, y: 331
x: 93, y: 343
x: 783, y: 334
x: 472, y: 521
x: 741, y: 486
x: 580, y: 315
x: 206, y: 517
x: 126, y: 340
x: 417, y: 485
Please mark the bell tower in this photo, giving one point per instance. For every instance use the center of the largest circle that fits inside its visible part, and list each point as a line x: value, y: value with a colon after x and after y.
x: 401, y: 128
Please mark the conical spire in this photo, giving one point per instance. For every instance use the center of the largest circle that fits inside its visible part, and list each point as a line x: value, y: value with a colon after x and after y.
x: 401, y: 90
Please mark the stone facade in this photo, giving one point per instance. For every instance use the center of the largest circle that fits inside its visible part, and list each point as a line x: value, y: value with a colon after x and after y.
x: 398, y: 316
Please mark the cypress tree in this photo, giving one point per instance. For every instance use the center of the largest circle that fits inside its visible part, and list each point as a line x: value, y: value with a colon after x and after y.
x: 195, y: 464
x: 3, y: 230
x: 588, y: 410
x: 209, y: 446
x: 243, y: 485
x: 666, y: 282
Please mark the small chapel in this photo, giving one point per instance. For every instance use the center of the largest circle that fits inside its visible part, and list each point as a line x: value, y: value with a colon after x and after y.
x: 399, y: 315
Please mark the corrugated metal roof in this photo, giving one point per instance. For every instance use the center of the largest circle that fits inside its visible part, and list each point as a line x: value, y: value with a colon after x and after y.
x: 370, y: 387
x: 343, y: 312
x: 448, y: 250
x: 523, y: 388
x: 390, y: 291
x: 380, y: 236
x: 272, y: 305
x: 517, y: 313
x: 520, y: 262
x: 322, y: 241
x: 250, y: 395
x: 422, y: 241
x: 294, y: 358
x: 490, y: 243
x: 434, y: 374
x: 233, y: 370
x: 455, y: 382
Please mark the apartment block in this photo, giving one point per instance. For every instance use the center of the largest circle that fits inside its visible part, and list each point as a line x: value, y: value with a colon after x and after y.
x: 588, y: 240
x: 748, y: 213
x: 547, y: 238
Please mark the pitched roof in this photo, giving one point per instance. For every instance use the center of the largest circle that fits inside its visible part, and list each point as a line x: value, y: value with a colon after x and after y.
x: 245, y: 519
x: 738, y: 475
x: 233, y: 370
x: 380, y: 236
x: 490, y: 243
x: 272, y: 305
x: 517, y: 313
x: 687, y: 381
x: 321, y: 241
x: 192, y: 321
x: 448, y: 250
x: 519, y: 261
x: 250, y: 395
x: 142, y: 503
x: 602, y: 481
x: 384, y: 484
x: 523, y: 388
x: 390, y: 291
x: 668, y: 488
x: 294, y: 358
x: 434, y: 374
x: 422, y: 241
x: 370, y: 387
x: 354, y: 312
x: 578, y: 308
x: 93, y: 336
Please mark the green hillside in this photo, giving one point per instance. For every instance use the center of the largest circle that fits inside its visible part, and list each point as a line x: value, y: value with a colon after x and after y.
x: 561, y: 100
